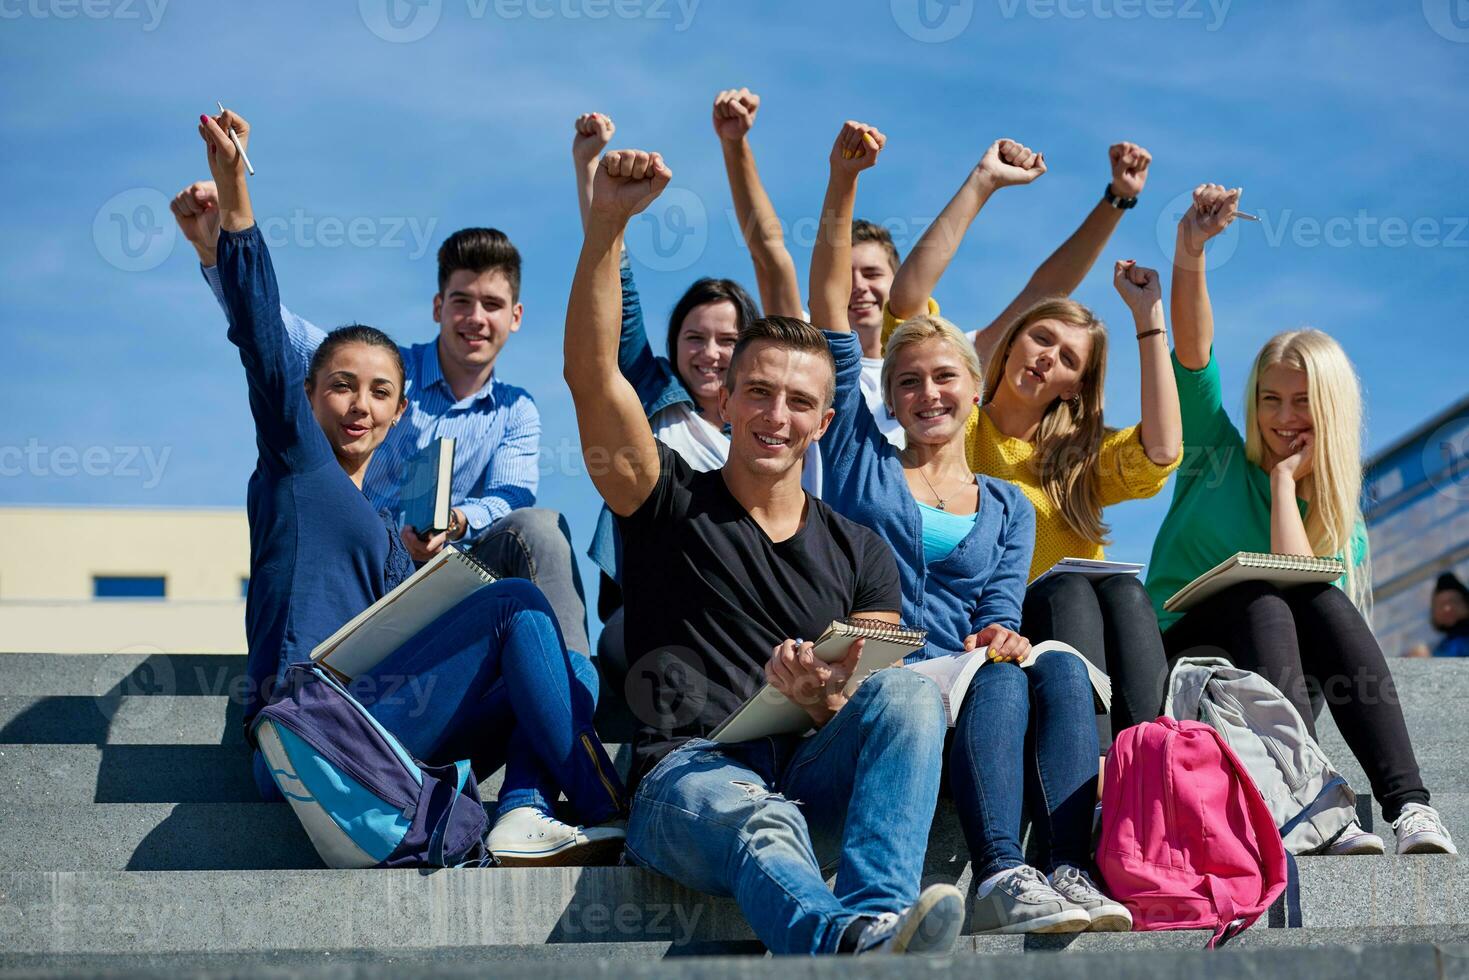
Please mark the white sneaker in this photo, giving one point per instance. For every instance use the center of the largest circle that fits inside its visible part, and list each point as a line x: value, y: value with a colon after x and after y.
x: 1355, y: 840
x: 1420, y: 830
x: 1076, y: 886
x: 929, y: 925
x: 1024, y: 901
x: 526, y: 837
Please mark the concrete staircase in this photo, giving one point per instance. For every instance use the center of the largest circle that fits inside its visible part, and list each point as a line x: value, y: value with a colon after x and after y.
x: 134, y: 842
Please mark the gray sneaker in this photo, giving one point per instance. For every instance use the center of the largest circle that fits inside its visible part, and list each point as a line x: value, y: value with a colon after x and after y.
x: 929, y: 925
x: 1024, y: 901
x: 1076, y: 886
x: 1420, y: 830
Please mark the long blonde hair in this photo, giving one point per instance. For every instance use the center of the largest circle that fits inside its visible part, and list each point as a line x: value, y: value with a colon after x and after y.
x: 917, y: 330
x: 1069, y: 441
x: 1334, y: 485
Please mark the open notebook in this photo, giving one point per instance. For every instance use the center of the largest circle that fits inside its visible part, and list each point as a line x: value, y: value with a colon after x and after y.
x: 769, y: 712
x: 1253, y: 566
x: 444, y: 580
x: 953, y: 673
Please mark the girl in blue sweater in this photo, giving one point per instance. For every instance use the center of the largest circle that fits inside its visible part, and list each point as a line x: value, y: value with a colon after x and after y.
x: 490, y: 680
x: 963, y: 544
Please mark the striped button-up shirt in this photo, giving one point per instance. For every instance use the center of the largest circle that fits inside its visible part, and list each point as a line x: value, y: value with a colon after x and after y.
x: 496, y: 432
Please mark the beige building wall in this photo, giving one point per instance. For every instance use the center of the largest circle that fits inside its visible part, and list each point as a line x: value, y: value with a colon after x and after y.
x: 49, y: 555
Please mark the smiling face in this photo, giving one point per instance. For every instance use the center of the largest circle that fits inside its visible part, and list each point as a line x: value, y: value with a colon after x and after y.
x: 476, y: 313
x: 931, y: 391
x: 706, y: 339
x: 1282, y: 409
x: 356, y: 397
x: 777, y: 402
x: 1047, y: 361
x: 872, y: 280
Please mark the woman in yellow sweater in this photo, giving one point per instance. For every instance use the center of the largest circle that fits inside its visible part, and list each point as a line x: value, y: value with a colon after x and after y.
x: 1040, y: 426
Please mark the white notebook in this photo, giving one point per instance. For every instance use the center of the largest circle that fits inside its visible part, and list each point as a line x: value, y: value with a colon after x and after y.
x: 444, y: 580
x: 1252, y: 566
x: 1095, y: 567
x: 953, y: 673
x: 769, y: 712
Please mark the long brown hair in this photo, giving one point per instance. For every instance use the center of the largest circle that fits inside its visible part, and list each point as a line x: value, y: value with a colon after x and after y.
x: 1068, y: 443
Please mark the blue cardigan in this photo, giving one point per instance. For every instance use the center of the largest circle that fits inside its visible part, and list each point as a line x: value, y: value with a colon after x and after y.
x: 983, y: 580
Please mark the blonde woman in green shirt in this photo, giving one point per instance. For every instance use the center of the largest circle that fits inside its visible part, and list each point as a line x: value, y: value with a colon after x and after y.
x: 1289, y: 484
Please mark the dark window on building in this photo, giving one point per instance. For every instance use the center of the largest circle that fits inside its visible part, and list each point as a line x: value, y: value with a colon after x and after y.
x: 128, y: 587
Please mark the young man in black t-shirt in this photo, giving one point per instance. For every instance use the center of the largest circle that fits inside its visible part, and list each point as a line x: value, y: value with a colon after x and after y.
x: 724, y: 573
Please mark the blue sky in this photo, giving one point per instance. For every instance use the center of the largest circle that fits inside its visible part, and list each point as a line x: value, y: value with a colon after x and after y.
x: 1344, y: 124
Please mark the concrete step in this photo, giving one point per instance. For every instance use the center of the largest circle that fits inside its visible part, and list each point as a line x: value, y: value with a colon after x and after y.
x: 1080, y: 946
x: 110, y: 912
x: 120, y: 720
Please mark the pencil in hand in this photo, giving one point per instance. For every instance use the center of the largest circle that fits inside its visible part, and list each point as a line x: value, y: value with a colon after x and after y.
x: 236, y: 140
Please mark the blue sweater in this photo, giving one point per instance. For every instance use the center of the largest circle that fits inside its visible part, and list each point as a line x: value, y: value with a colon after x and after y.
x: 983, y: 580
x: 319, y: 552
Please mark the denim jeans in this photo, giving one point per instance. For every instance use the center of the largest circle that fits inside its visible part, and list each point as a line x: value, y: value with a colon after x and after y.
x: 490, y: 681
x: 759, y: 820
x: 534, y: 543
x: 1026, y: 739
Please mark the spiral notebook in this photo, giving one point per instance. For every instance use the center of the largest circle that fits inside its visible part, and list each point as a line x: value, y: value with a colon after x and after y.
x: 444, y: 580
x: 1252, y: 566
x: 769, y: 712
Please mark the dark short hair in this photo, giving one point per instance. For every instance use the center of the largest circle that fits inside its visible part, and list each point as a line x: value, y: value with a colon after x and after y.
x: 479, y: 250
x: 865, y: 231
x: 355, y: 333
x: 787, y: 333
x: 703, y: 291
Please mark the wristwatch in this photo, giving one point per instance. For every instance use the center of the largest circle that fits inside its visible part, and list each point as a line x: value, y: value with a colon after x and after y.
x: 1120, y: 203
x: 453, y: 527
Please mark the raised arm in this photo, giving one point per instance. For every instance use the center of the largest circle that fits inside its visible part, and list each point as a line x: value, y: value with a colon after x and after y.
x: 1065, y: 268
x: 196, y: 210
x: 857, y: 147
x: 1162, y: 425
x: 617, y: 444
x: 775, y: 270
x: 1193, y: 318
x: 593, y: 132
x: 1003, y: 164
x: 286, y: 432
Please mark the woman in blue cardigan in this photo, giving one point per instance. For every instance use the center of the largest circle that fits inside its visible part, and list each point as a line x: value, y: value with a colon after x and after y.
x: 490, y: 680
x: 963, y: 544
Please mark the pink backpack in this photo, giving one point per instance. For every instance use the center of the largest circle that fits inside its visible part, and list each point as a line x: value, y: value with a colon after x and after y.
x: 1187, y: 840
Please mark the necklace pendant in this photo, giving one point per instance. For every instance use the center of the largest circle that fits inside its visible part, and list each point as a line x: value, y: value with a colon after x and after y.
x: 941, y: 505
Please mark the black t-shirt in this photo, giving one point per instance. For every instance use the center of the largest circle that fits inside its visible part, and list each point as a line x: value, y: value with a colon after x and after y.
x: 709, y: 595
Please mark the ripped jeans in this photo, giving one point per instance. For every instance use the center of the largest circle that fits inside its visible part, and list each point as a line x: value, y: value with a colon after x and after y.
x: 760, y: 820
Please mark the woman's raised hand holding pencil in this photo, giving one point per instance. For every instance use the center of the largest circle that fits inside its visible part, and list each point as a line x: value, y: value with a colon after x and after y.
x: 225, y: 137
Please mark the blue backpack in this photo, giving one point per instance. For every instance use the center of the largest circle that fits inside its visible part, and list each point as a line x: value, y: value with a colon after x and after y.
x: 364, y: 801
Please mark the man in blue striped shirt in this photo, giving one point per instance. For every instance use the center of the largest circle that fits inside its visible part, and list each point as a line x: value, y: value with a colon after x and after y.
x: 453, y: 393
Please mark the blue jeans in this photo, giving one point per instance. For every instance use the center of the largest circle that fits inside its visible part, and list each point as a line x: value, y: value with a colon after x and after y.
x: 490, y: 681
x: 759, y: 820
x: 1026, y: 737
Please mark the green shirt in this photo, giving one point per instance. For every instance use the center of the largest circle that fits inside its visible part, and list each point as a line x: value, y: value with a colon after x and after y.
x: 1221, y: 501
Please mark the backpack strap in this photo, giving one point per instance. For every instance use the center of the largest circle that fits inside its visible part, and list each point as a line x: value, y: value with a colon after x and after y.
x: 436, y: 839
x: 1295, y: 821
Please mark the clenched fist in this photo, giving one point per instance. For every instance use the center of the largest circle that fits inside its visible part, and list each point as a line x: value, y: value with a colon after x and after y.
x: 593, y: 132
x: 627, y: 182
x: 857, y: 147
x: 734, y: 113
x: 1213, y: 209
x: 1129, y: 168
x: 1007, y: 163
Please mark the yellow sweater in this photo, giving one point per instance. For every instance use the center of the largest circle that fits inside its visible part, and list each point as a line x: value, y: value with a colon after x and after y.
x: 1125, y: 473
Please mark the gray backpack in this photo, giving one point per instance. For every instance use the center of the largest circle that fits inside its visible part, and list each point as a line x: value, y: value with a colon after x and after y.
x: 1310, y: 801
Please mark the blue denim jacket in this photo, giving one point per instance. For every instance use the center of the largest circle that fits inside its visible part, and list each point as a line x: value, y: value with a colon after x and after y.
x: 658, y: 387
